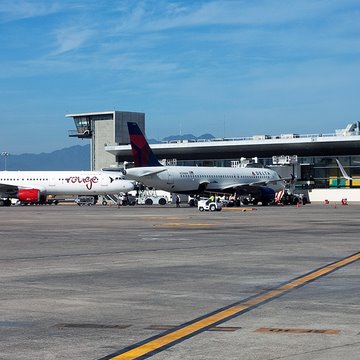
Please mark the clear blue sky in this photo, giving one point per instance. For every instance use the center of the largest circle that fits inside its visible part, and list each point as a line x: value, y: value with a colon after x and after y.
x: 233, y: 68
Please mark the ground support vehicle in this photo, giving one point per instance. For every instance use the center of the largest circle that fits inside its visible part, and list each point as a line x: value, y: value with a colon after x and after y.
x: 152, y: 200
x: 127, y: 199
x: 293, y: 199
x: 209, y: 205
x: 85, y: 200
x: 5, y: 202
x: 150, y: 197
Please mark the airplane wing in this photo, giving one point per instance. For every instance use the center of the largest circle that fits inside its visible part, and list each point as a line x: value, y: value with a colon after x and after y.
x: 241, y: 185
x: 8, y: 190
x: 281, y: 180
x: 253, y: 184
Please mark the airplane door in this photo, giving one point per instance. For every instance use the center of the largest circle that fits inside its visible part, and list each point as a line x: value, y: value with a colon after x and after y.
x: 170, y: 179
x: 104, y: 181
x: 51, y: 181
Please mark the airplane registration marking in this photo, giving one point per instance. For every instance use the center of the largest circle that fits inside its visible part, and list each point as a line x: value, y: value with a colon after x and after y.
x: 178, y: 334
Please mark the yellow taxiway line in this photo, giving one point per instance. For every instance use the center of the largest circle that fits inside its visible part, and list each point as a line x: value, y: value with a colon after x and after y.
x: 180, y: 333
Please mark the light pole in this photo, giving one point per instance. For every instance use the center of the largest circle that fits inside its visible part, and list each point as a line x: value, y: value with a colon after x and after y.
x: 5, y: 154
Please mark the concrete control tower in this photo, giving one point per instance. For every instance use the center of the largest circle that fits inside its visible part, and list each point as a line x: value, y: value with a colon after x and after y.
x: 104, y: 129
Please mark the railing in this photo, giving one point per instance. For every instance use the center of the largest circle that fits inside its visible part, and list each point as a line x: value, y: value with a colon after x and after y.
x: 261, y: 138
x: 75, y: 133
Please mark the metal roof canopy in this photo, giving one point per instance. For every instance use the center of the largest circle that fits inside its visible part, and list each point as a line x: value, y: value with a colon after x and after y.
x: 234, y: 149
x: 91, y: 114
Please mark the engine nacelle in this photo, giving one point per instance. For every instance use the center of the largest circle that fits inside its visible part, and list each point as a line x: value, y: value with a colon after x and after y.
x: 267, y: 195
x: 29, y: 195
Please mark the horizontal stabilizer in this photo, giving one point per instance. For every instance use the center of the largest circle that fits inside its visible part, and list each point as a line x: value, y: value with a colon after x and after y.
x: 145, y: 171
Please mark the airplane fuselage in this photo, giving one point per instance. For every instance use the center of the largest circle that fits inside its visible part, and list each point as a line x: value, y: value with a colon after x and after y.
x: 190, y: 179
x: 66, y: 182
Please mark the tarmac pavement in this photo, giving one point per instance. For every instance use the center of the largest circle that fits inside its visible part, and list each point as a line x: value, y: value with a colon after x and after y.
x: 89, y: 282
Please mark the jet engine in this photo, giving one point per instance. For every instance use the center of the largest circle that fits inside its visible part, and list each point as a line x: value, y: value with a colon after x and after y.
x: 267, y: 195
x: 264, y: 195
x: 29, y: 195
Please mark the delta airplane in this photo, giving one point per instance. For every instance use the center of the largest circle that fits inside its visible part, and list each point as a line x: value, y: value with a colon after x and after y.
x: 261, y: 183
x: 34, y: 186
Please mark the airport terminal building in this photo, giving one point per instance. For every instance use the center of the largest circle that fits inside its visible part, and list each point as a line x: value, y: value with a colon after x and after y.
x: 310, y: 157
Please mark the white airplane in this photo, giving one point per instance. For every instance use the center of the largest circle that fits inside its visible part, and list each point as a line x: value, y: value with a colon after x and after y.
x: 35, y: 186
x: 261, y: 183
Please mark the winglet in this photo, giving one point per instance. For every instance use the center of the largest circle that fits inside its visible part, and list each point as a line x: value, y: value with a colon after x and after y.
x: 344, y: 174
x: 141, y: 151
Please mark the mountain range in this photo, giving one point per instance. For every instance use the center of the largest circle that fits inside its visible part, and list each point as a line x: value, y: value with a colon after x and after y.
x: 76, y: 157
x: 72, y: 158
